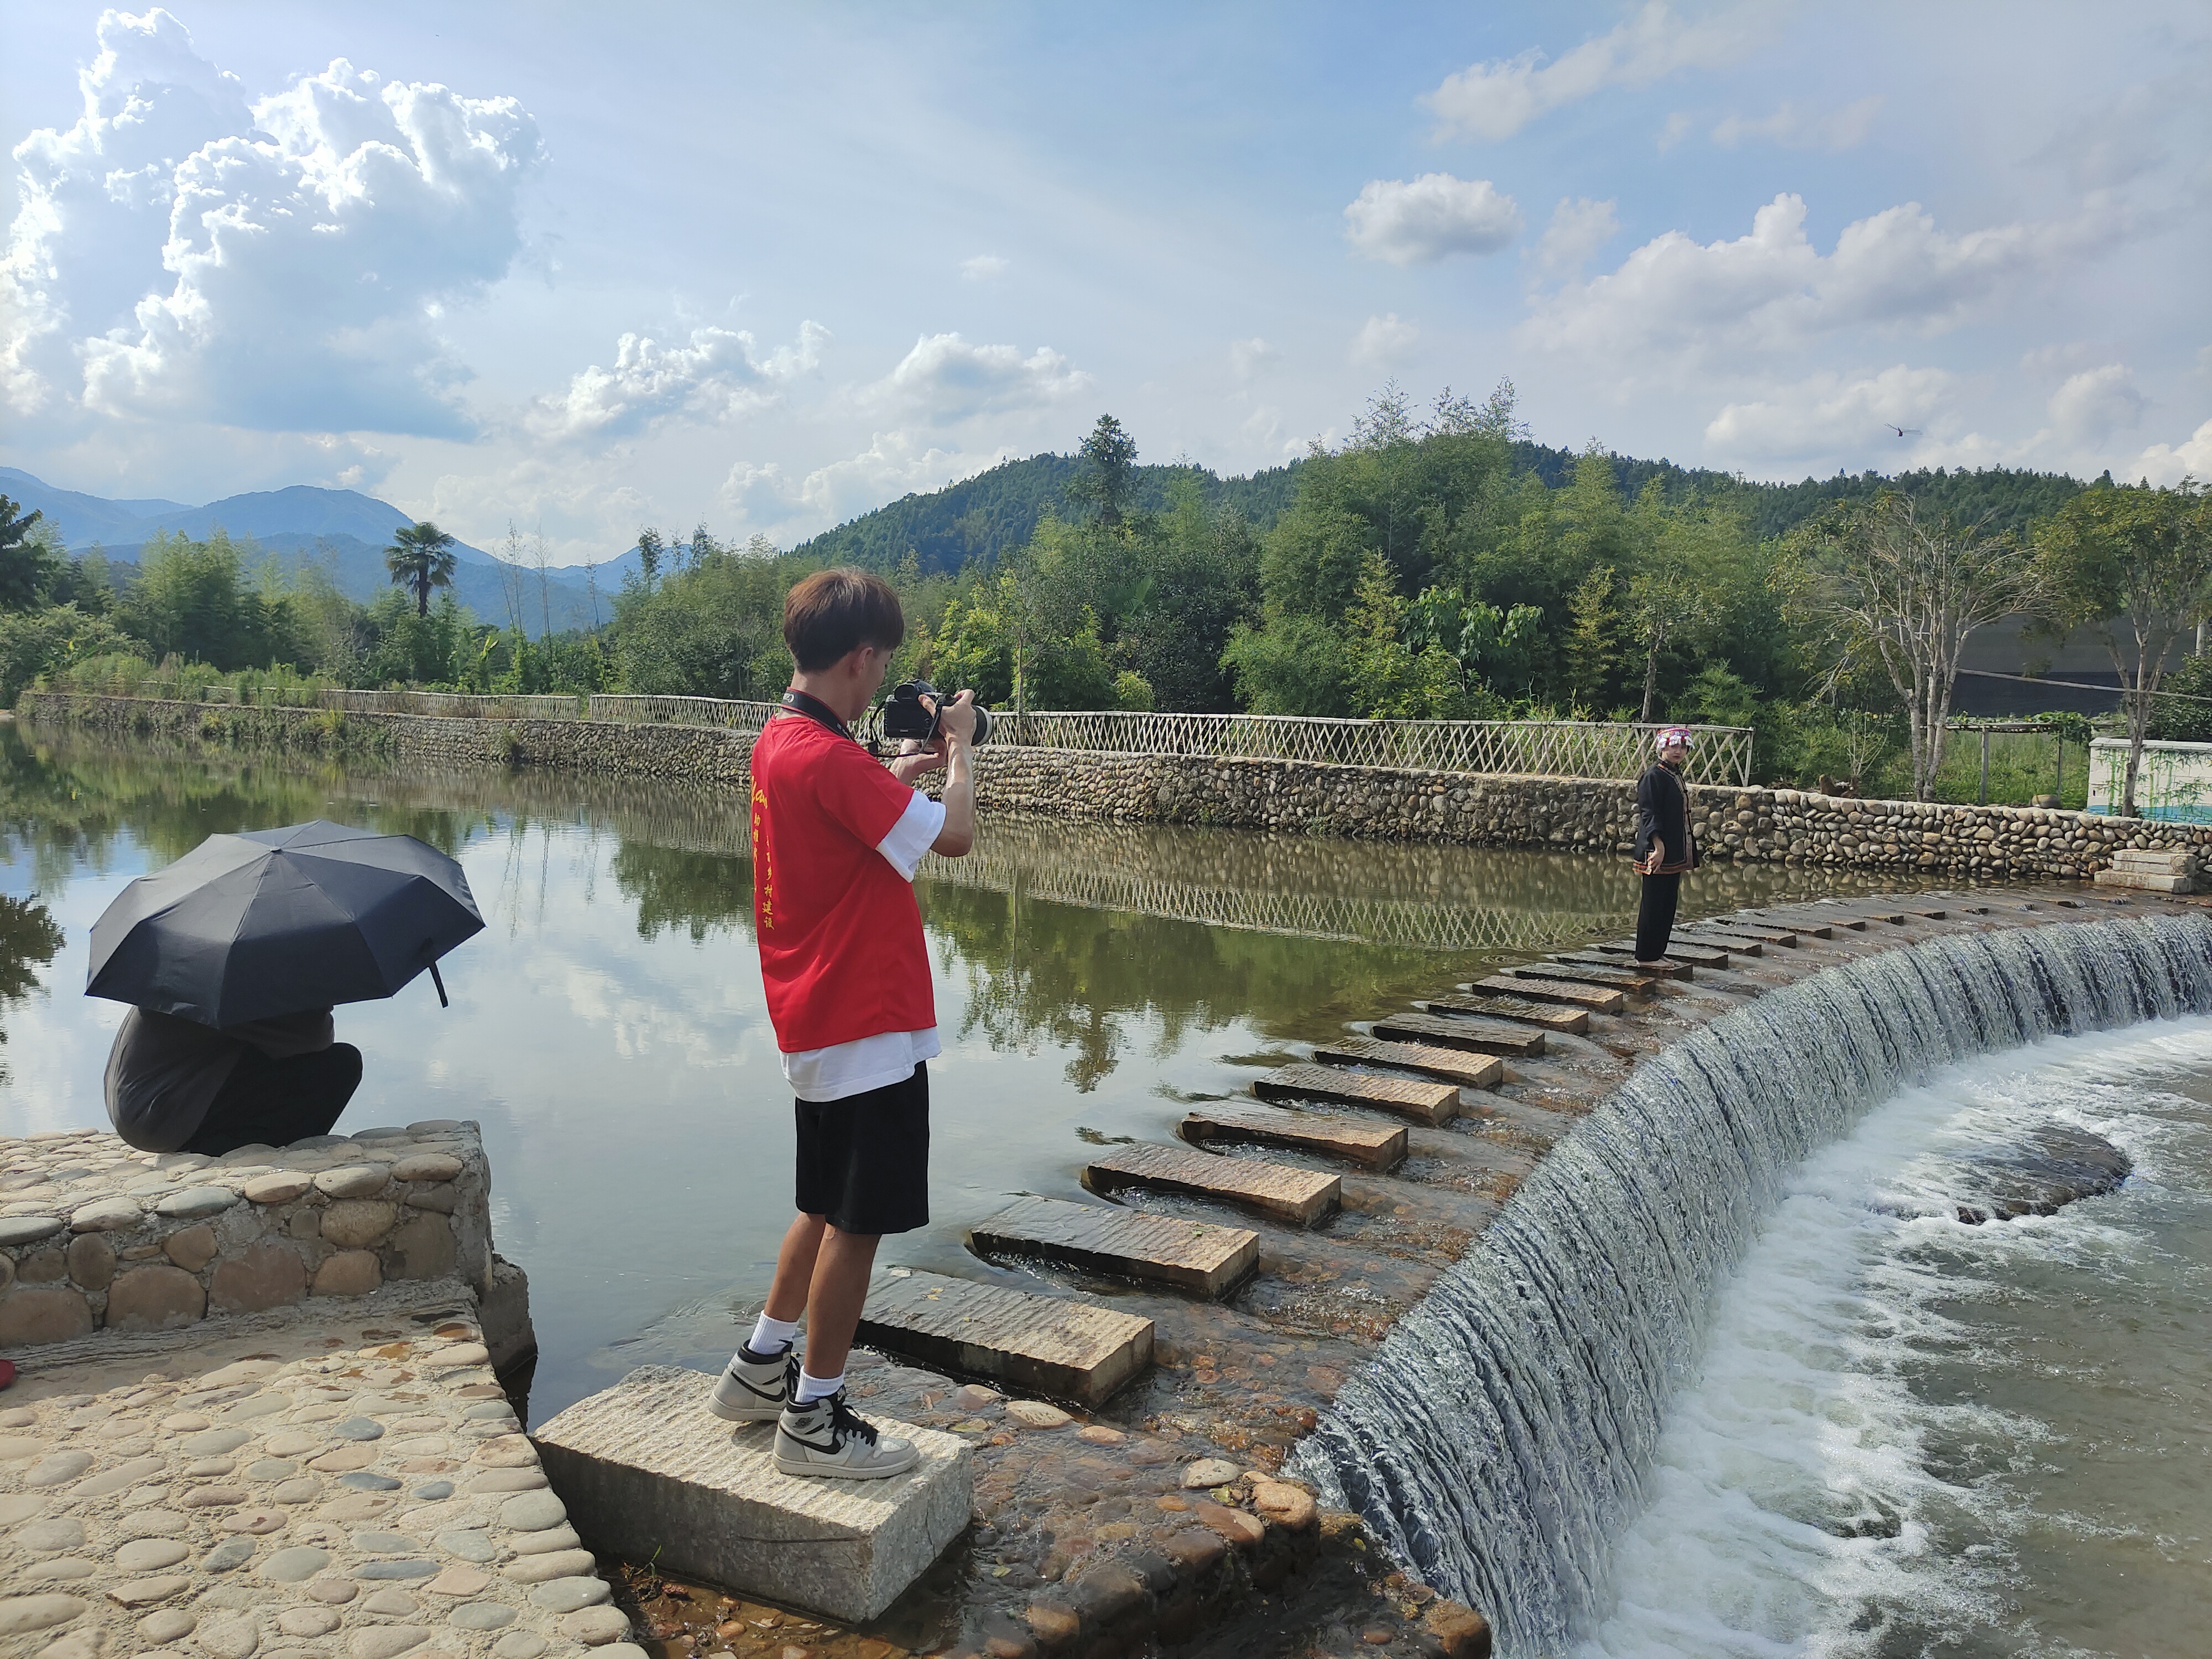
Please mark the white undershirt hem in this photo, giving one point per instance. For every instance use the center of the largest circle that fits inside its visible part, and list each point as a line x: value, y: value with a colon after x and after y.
x: 845, y: 1069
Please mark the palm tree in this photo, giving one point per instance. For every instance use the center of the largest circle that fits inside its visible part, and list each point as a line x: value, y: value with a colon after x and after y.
x: 421, y: 557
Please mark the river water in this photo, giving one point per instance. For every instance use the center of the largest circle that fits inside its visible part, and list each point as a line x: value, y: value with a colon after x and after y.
x: 607, y: 1028
x: 1910, y: 1434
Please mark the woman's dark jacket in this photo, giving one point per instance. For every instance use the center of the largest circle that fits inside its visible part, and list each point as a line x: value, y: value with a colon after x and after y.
x: 1662, y: 809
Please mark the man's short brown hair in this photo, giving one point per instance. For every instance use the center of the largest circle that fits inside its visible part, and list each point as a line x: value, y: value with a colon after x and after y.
x: 835, y: 612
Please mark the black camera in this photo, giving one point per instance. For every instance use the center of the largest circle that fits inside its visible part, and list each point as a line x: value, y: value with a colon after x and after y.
x: 904, y: 715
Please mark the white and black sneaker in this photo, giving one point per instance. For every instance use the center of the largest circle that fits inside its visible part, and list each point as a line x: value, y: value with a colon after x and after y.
x: 827, y: 1437
x: 756, y: 1388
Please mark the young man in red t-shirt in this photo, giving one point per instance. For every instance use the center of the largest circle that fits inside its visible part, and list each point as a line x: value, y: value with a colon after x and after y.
x: 836, y: 838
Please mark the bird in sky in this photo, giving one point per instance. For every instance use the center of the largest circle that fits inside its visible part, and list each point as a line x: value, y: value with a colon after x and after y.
x: 1903, y: 431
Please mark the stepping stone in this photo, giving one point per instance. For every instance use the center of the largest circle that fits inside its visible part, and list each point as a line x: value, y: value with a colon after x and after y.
x: 1408, y: 1097
x: 1729, y: 933
x: 1516, y: 1009
x: 1697, y: 956
x: 1033, y: 1344
x: 1299, y: 1197
x: 1895, y: 918
x: 650, y: 1476
x: 1596, y: 998
x: 1196, y: 1256
x: 1430, y: 1060
x: 1373, y: 1146
x: 1930, y: 915
x: 1620, y: 978
x: 1470, y: 1036
x: 1675, y: 967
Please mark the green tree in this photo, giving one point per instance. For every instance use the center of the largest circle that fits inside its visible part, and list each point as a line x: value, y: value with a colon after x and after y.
x: 420, y: 559
x: 28, y: 563
x: 2133, y: 566
x: 1887, y: 585
x: 190, y: 600
x: 1107, y: 462
x: 1592, y: 654
x: 36, y: 642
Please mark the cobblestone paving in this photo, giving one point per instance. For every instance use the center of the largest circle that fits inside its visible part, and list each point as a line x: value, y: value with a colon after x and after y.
x: 343, y: 1479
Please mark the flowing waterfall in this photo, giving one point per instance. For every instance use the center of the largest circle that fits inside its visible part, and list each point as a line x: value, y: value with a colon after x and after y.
x: 1502, y: 1435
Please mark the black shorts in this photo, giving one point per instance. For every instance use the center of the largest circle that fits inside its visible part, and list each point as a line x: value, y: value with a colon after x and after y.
x: 864, y: 1160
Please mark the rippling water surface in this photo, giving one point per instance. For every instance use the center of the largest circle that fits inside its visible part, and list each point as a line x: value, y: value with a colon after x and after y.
x: 1911, y: 1436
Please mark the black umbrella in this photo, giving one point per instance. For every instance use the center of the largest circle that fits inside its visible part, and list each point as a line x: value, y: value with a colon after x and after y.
x: 278, y: 921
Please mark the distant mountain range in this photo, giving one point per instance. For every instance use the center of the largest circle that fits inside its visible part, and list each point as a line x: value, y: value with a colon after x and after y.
x: 342, y: 530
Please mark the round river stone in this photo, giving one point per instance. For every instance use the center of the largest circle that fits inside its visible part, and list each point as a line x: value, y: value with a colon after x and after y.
x: 396, y: 1570
x: 532, y: 1511
x: 431, y: 1491
x: 196, y: 1201
x: 292, y: 1565
x: 567, y: 1595
x: 480, y: 1615
x: 150, y: 1554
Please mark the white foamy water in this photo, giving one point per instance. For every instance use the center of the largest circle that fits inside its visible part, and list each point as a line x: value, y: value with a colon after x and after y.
x: 1910, y: 1434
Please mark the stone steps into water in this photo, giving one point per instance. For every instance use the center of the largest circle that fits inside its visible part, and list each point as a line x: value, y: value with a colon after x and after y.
x: 1474, y: 1036
x: 1674, y: 968
x: 1043, y: 1345
x: 1426, y: 1099
x: 1517, y: 1009
x: 1297, y: 1197
x: 661, y: 1480
x: 1357, y: 1140
x: 1429, y: 1059
x: 1196, y: 1256
x: 1697, y: 956
x: 1596, y: 998
x: 1636, y: 983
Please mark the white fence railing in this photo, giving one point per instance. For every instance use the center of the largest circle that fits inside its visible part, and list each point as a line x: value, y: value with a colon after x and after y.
x: 1555, y: 749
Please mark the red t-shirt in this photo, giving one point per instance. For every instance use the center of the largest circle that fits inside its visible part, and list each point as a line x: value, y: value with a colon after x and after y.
x: 840, y: 944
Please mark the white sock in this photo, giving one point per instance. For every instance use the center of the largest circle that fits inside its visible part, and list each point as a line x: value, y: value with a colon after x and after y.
x: 812, y: 1388
x: 771, y: 1336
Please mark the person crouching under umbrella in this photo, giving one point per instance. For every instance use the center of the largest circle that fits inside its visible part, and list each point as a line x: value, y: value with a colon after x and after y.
x: 175, y: 1085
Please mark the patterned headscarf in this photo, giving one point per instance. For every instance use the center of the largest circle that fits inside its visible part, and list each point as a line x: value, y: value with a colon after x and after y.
x: 1672, y: 735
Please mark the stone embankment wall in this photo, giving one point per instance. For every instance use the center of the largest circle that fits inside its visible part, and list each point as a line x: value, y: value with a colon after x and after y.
x: 1561, y: 815
x: 93, y: 1234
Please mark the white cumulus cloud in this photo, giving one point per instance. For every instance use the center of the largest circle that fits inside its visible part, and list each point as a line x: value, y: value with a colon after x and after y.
x: 1773, y: 290
x: 984, y: 267
x: 945, y: 379
x: 718, y: 373
x: 893, y: 464
x: 1384, y: 341
x: 1795, y: 128
x: 1495, y: 99
x: 2169, y: 464
x: 1416, y: 222
x: 1249, y: 359
x: 1829, y: 415
x: 1578, y: 229
x: 2093, y: 405
x: 281, y: 267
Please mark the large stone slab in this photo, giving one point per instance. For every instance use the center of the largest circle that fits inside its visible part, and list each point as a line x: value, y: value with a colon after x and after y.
x: 1474, y: 1036
x: 1373, y: 1146
x: 1697, y: 956
x: 1482, y: 1070
x: 2145, y: 881
x: 1614, y: 976
x: 1299, y: 1197
x: 1036, y: 1343
x: 1674, y: 968
x: 1196, y: 1256
x: 1596, y: 998
x: 649, y: 1475
x: 1516, y: 1009
x: 1735, y: 937
x: 2141, y: 861
x: 1406, y: 1096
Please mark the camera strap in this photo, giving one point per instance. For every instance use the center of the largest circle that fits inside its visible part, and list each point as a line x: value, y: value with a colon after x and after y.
x: 818, y: 711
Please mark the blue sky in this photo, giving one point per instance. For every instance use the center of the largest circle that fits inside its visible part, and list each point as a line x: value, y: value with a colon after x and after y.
x: 581, y: 269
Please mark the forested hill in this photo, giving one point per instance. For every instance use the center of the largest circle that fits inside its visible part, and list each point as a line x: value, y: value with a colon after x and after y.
x: 981, y: 517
